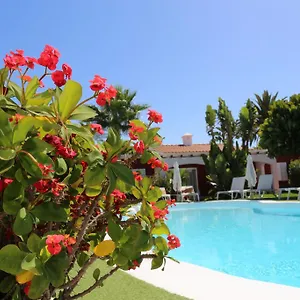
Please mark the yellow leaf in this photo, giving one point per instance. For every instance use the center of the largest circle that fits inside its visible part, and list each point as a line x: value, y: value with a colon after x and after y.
x: 104, y: 248
x: 24, y: 277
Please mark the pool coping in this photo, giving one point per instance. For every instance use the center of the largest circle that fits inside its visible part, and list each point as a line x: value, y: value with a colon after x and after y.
x: 196, y: 282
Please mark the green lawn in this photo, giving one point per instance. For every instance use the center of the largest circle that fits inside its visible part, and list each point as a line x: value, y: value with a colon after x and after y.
x: 122, y: 286
x: 293, y: 196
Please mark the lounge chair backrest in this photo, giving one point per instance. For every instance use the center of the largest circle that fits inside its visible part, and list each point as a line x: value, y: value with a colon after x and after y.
x: 265, y: 182
x: 238, y: 183
x: 187, y: 189
x: 163, y: 190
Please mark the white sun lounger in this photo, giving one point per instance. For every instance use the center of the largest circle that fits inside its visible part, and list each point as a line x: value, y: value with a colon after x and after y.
x: 289, y: 190
x: 237, y: 187
x: 265, y: 184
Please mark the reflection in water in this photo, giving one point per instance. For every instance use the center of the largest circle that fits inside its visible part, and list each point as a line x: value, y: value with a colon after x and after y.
x: 240, y: 242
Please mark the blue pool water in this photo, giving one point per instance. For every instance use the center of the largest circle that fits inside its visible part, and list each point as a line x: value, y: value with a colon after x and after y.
x: 242, y: 241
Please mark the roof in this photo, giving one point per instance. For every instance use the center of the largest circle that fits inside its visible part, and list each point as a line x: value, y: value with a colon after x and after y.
x: 195, y: 148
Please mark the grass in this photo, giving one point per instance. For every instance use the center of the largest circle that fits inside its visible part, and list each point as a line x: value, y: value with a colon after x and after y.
x: 293, y: 196
x: 122, y: 286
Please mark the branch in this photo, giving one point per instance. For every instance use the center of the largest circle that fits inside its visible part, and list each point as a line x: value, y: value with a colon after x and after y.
x: 96, y: 284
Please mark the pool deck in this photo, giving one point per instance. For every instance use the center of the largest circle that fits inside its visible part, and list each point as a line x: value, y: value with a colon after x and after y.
x: 195, y: 282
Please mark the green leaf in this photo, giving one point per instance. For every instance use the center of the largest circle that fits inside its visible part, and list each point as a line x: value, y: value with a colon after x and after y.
x: 23, y: 223
x: 6, y: 165
x: 96, y: 274
x: 82, y: 259
x: 13, y: 196
x: 17, y: 91
x: 161, y: 245
x: 55, y: 268
x: 93, y: 191
x: 38, y: 286
x: 60, y: 166
x: 23, y: 127
x: 40, y: 99
x: 154, y: 194
x: 33, y: 243
x: 113, y: 138
x: 5, y: 130
x: 146, y: 156
x: 23, y: 247
x: 82, y: 113
x: 161, y: 229
x: 112, y: 180
x: 75, y: 175
x: 146, y: 183
x: 50, y: 211
x: 30, y: 165
x: 3, y: 75
x: 11, y: 258
x: 114, y: 231
x: 37, y: 145
x: 29, y: 262
x: 94, y: 175
x: 69, y: 98
x: 123, y: 173
x: 7, y: 284
x: 7, y: 154
x: 136, y: 193
x: 17, y: 294
x: 157, y: 262
x: 31, y: 88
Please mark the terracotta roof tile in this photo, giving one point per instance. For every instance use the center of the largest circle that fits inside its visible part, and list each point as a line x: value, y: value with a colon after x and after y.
x: 200, y: 148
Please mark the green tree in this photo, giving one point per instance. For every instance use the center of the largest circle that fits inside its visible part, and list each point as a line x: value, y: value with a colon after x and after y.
x: 279, y: 134
x: 226, y: 158
x: 121, y: 110
x: 263, y: 104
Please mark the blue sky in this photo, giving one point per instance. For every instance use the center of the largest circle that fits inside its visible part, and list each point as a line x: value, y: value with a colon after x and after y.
x: 179, y: 55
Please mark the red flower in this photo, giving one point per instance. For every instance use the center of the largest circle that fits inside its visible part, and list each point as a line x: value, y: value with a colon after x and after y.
x: 67, y: 70
x: 111, y: 92
x: 157, y: 140
x: 49, y: 57
x: 139, y: 147
x: 41, y: 84
x: 30, y: 61
x: 165, y: 167
x: 27, y: 287
x: 16, y: 118
x: 118, y: 195
x: 133, y: 136
x: 68, y: 242
x: 137, y: 176
x: 56, y: 187
x: 58, y: 78
x: 159, y: 213
x: 66, y: 152
x: 154, y: 162
x: 171, y: 202
x: 154, y: 116
x: 114, y: 159
x: 46, y: 169
x: 25, y: 78
x: 98, y: 83
x: 84, y: 165
x: 4, y: 183
x: 54, y: 140
x: 101, y: 99
x: 173, y: 241
x: 97, y: 127
x: 42, y: 186
x: 53, y: 243
x: 134, y: 129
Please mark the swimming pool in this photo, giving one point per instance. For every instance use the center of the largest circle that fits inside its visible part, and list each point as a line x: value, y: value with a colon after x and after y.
x: 251, y: 239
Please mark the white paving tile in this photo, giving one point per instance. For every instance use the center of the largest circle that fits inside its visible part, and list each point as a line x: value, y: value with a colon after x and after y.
x: 196, y: 282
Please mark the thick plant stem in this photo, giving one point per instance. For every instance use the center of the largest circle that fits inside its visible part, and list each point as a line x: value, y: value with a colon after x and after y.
x: 95, y: 285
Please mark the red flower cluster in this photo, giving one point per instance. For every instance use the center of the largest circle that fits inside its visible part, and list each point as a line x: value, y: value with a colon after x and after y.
x: 139, y: 147
x: 119, y: 198
x: 17, y: 59
x: 16, y: 118
x: 137, y: 176
x: 54, y: 243
x: 171, y: 202
x: 76, y: 210
x: 60, y: 77
x: 157, y: 140
x: 159, y: 213
x: 156, y: 163
x: 106, y: 96
x: 97, y: 128
x: 154, y: 116
x: 173, y: 241
x: 135, y: 264
x: 46, y: 169
x: 44, y: 185
x: 49, y: 57
x: 133, y: 130
x: 98, y: 83
x: 63, y: 151
x: 4, y: 183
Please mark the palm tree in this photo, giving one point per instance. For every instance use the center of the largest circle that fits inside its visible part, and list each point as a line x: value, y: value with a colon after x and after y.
x: 120, y: 111
x: 263, y: 104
